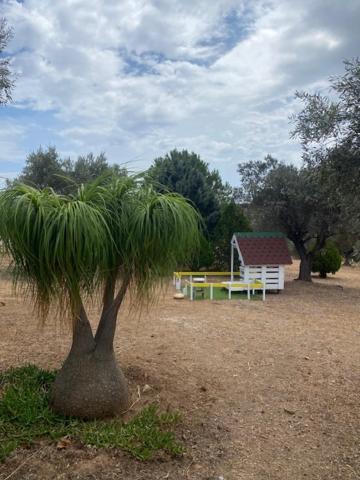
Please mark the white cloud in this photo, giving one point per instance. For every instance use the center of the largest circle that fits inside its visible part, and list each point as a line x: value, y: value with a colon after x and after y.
x: 136, y: 78
x: 11, y: 136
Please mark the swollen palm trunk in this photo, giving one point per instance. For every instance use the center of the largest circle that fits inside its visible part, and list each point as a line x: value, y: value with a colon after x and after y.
x: 90, y: 384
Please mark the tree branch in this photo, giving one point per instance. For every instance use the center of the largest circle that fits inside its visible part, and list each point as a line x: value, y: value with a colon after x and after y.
x: 105, y: 333
x: 121, y: 293
x: 109, y: 293
x: 83, y: 338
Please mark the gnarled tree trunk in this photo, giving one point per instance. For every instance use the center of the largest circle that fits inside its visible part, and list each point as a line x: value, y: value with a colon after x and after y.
x: 306, y: 259
x: 307, y: 256
x: 90, y: 384
x: 305, y: 269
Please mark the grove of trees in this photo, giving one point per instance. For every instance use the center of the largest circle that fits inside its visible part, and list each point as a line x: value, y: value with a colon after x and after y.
x: 321, y: 198
x: 45, y: 168
x: 179, y: 172
x: 292, y: 200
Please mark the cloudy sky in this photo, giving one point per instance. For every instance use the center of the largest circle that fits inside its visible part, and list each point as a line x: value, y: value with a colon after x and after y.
x: 136, y: 78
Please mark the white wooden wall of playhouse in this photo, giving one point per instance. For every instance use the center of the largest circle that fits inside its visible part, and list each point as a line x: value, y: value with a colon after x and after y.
x: 272, y: 275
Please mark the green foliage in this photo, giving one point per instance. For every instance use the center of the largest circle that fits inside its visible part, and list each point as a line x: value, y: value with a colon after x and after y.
x: 347, y: 240
x: 253, y: 175
x: 323, y: 119
x: 293, y: 200
x: 232, y: 219
x: 65, y: 247
x: 188, y: 175
x: 329, y: 131
x: 45, y: 168
x: 288, y: 198
x: 205, y: 257
x: 327, y: 260
x: 6, y: 78
x: 88, y: 168
x: 25, y: 416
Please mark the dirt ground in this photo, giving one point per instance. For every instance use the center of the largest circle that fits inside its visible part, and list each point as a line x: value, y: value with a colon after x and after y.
x: 268, y: 390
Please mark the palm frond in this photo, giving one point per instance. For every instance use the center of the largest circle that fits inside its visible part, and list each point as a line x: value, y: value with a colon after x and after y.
x: 64, y: 247
x: 57, y: 244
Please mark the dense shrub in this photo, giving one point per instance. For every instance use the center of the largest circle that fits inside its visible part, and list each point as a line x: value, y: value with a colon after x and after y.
x: 327, y: 260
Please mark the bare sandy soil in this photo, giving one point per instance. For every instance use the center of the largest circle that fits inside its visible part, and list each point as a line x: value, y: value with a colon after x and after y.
x: 267, y: 390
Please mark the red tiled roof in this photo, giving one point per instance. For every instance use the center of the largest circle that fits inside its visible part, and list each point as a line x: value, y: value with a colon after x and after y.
x: 264, y: 251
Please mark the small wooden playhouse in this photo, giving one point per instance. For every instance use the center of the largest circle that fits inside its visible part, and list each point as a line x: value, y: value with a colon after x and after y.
x: 260, y: 256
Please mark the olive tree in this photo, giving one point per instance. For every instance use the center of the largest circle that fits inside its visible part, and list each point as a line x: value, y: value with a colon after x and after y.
x: 325, y: 122
x: 320, y: 199
x: 114, y: 235
x: 328, y: 128
x: 293, y: 200
x: 6, y: 78
x: 45, y: 168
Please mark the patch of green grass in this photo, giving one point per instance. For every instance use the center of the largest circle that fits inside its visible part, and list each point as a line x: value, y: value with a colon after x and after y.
x: 223, y: 294
x: 25, y: 416
x: 142, y: 436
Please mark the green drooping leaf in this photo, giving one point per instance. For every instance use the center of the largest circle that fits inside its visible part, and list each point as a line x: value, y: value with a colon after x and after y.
x: 66, y: 247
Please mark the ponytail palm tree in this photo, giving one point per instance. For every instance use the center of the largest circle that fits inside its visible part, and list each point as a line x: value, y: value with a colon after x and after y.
x: 114, y: 235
